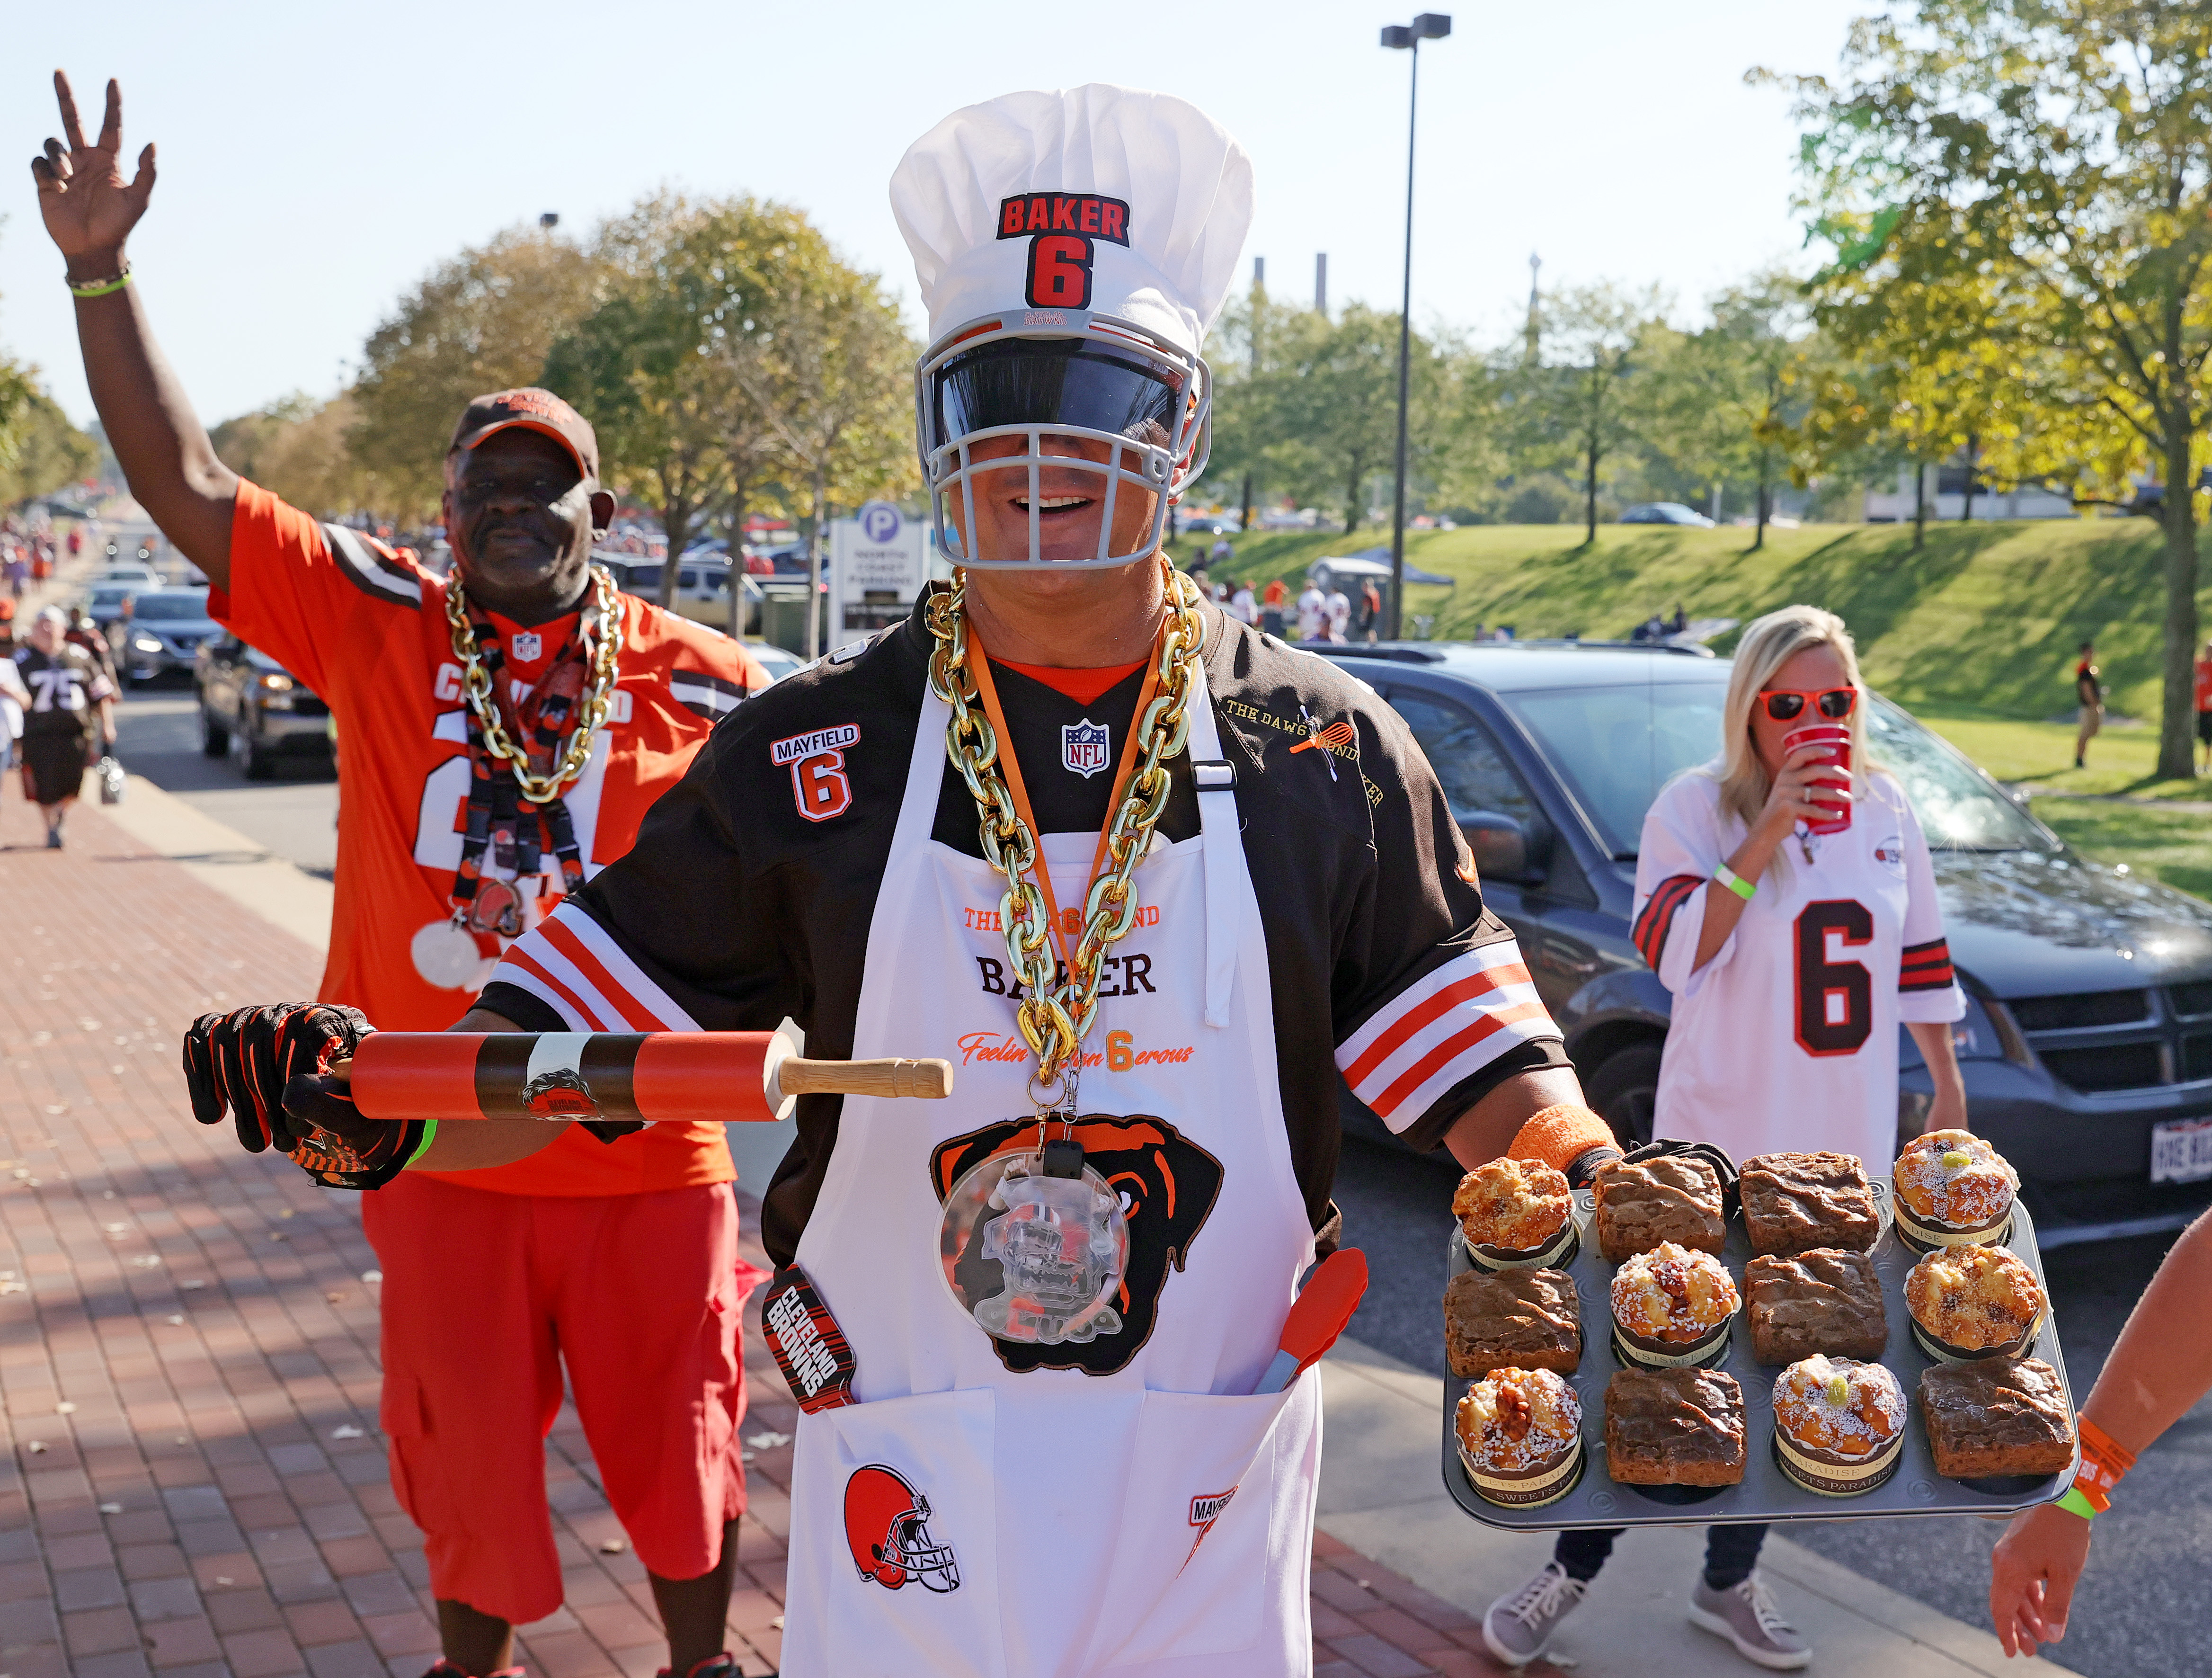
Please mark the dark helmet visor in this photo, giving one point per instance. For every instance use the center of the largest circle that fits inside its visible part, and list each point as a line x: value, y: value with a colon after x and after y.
x: 1054, y: 381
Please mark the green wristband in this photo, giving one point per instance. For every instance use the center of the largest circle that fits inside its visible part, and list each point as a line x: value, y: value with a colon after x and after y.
x: 1734, y: 882
x: 102, y: 287
x: 2074, y: 1504
x: 429, y: 1135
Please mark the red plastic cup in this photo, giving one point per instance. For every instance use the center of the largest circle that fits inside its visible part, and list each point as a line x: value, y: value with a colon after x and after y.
x: 1837, y: 740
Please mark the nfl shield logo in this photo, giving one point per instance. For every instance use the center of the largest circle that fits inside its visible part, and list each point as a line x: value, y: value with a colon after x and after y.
x: 1083, y: 747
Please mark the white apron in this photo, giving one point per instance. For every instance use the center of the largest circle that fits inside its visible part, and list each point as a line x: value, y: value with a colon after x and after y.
x: 1084, y: 1515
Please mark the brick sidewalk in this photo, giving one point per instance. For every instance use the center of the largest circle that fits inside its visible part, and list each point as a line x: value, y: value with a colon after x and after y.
x: 193, y: 1481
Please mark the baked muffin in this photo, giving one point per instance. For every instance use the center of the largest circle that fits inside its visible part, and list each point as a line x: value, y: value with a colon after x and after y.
x: 1672, y: 1307
x: 1794, y: 1202
x: 1973, y: 1302
x: 1674, y: 1427
x: 1820, y: 1301
x: 1512, y: 1319
x: 1838, y: 1425
x: 1674, y: 1197
x: 2001, y: 1416
x: 1516, y: 1213
x: 1953, y: 1189
x: 1521, y: 1436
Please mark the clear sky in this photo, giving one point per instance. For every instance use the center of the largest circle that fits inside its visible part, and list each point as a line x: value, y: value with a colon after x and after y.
x: 316, y: 160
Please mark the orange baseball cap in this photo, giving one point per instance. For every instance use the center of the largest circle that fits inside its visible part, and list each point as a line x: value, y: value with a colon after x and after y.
x: 531, y: 409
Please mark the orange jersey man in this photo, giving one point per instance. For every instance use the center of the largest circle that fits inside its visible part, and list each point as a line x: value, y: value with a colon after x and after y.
x: 505, y: 731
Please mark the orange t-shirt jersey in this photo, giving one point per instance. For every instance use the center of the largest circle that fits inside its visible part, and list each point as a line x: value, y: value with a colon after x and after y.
x: 364, y: 628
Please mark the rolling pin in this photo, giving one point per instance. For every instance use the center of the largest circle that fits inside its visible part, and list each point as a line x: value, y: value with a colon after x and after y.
x: 662, y: 1076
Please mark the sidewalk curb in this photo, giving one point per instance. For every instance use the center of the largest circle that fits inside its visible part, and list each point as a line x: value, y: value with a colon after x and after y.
x: 1381, y: 1493
x: 279, y: 892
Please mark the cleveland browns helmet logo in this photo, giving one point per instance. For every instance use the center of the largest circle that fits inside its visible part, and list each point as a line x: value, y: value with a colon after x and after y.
x: 1168, y: 1185
x: 1062, y: 228
x: 887, y: 1525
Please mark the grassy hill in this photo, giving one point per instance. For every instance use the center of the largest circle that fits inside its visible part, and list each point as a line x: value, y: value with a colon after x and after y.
x: 1987, y: 616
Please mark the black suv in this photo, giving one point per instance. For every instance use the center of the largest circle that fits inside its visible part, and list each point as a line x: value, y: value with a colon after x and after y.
x: 2087, y: 1046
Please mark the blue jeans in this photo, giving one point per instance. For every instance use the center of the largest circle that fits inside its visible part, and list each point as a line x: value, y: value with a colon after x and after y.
x: 1731, y: 1552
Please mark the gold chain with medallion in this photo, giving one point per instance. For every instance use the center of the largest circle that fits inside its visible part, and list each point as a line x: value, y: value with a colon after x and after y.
x: 1055, y: 1019
x: 603, y: 646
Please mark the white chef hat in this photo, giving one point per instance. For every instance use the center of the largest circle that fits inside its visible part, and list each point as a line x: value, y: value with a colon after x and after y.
x: 1126, y: 204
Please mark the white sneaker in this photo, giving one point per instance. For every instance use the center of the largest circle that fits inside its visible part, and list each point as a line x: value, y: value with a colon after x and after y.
x: 1519, y: 1626
x: 1746, y: 1616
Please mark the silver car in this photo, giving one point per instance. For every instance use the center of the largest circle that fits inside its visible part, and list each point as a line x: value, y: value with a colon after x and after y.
x: 161, y: 629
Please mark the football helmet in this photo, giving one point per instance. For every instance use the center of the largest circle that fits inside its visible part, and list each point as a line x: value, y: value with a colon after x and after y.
x: 1046, y: 377
x: 887, y: 1525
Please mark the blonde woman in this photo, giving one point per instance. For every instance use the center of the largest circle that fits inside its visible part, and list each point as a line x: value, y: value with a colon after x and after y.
x: 1793, y: 956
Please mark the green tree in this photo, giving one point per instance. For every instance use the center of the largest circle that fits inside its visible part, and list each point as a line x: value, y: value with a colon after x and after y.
x: 482, y: 322
x: 1572, y: 406
x: 2054, y: 158
x: 40, y: 450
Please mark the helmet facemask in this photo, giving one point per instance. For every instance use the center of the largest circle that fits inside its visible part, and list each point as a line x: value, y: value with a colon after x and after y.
x: 1054, y: 382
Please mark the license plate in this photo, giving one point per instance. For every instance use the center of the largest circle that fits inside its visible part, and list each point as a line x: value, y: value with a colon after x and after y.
x: 2181, y: 1151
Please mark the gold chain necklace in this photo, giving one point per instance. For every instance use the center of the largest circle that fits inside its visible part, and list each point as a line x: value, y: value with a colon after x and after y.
x: 1054, y: 1020
x: 603, y: 646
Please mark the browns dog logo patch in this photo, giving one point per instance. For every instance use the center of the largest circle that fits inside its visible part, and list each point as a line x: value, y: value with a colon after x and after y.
x: 1062, y: 228
x: 1168, y: 1186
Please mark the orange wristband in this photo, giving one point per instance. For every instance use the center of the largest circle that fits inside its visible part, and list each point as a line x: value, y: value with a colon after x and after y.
x: 1562, y: 1134
x: 2102, y: 1463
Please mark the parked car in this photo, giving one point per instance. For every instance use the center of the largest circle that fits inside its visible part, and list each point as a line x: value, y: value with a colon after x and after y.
x: 142, y: 576
x: 103, y: 604
x: 252, y: 706
x: 2087, y: 1046
x: 1665, y: 512
x: 161, y: 632
x: 702, y: 587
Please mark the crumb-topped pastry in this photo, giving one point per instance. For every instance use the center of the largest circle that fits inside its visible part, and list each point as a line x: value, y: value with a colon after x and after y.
x: 1838, y: 1425
x: 1521, y: 1436
x: 1953, y: 1189
x: 2001, y: 1416
x: 1674, y: 1197
x: 1512, y: 1319
x: 1514, y: 1212
x: 1672, y: 1306
x: 1808, y: 1302
x: 1794, y: 1202
x: 1674, y: 1427
x: 1973, y: 1302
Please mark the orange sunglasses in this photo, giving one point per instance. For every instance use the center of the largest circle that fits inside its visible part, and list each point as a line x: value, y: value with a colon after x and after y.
x: 1788, y: 704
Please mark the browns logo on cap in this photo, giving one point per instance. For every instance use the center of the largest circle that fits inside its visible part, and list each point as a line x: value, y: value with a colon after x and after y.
x: 529, y: 409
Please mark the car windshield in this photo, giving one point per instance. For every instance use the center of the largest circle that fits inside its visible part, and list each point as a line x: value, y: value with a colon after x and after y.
x: 169, y: 608
x: 108, y: 597
x: 1615, y: 747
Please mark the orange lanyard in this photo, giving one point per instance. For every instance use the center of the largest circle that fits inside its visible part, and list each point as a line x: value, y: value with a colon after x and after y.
x: 980, y: 663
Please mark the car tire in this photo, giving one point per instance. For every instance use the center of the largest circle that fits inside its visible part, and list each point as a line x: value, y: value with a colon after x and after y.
x: 258, y: 762
x: 1624, y: 1089
x: 214, y: 739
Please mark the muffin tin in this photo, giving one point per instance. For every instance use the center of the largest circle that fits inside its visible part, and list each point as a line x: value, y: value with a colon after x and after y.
x: 1766, y: 1494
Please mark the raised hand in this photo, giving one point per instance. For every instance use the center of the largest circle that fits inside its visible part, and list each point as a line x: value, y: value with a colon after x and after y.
x: 87, y: 206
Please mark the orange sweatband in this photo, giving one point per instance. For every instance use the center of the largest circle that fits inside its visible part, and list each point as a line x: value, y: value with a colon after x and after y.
x: 1562, y: 1134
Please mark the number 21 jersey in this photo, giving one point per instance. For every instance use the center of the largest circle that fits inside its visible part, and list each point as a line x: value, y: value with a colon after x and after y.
x: 1787, y: 1038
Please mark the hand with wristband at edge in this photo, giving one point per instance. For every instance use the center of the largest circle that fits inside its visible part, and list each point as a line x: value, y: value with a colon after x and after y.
x: 267, y: 1066
x: 2161, y: 1365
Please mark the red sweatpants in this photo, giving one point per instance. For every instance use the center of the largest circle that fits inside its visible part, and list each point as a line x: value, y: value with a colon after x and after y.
x: 485, y: 1296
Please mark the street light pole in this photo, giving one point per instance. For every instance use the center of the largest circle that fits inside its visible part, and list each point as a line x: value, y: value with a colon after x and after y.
x: 1429, y: 26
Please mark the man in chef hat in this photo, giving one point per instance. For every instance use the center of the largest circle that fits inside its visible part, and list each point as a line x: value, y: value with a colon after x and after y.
x: 1028, y: 1326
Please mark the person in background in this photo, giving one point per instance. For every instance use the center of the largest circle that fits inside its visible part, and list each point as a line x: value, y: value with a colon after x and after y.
x: 1371, y: 609
x: 1338, y: 609
x: 1221, y: 549
x: 1242, y: 606
x: 2204, y: 709
x: 15, y: 701
x: 2089, y: 695
x: 2159, y: 1367
x: 1272, y: 598
x: 67, y: 692
x: 1736, y: 897
x: 1313, y: 612
x: 83, y: 632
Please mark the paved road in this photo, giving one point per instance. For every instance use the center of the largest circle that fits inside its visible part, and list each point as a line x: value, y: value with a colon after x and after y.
x: 2142, y: 1606
x: 293, y: 817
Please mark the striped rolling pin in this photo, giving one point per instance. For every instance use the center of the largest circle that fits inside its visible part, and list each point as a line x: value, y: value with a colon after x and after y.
x: 656, y: 1075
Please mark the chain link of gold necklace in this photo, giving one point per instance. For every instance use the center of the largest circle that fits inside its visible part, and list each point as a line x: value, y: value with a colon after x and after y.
x: 1055, y: 1019
x: 603, y: 646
